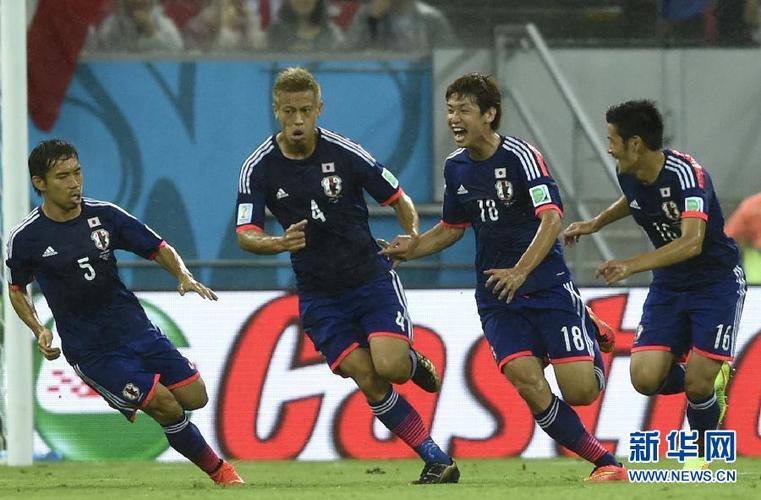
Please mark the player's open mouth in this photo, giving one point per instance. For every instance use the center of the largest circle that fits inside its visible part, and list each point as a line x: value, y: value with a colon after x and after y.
x: 459, y: 133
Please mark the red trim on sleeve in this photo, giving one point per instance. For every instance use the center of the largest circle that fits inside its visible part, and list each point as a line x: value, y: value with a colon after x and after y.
x: 161, y: 245
x: 459, y: 226
x: 540, y: 160
x: 695, y: 215
x: 549, y: 206
x: 393, y: 197
x: 15, y: 287
x: 248, y: 227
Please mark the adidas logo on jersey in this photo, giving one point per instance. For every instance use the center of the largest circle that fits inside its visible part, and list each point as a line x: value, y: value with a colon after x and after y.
x: 281, y: 194
x: 49, y: 252
x: 634, y: 204
x: 462, y: 190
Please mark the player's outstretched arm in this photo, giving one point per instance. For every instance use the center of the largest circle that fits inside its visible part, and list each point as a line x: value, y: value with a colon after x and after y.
x: 170, y: 260
x: 434, y: 240
x: 24, y: 307
x: 505, y: 282
x: 688, y: 245
x: 261, y: 243
x: 618, y: 210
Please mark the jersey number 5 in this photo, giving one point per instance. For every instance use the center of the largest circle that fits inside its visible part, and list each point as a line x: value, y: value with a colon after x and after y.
x: 84, y: 263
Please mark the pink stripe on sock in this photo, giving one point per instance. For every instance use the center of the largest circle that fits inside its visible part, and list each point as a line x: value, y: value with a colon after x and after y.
x: 589, y: 448
x: 207, y: 460
x: 412, y: 430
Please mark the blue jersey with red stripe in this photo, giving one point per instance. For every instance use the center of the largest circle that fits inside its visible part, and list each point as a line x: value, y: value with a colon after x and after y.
x: 501, y: 198
x: 75, y: 266
x: 682, y: 189
x: 326, y: 189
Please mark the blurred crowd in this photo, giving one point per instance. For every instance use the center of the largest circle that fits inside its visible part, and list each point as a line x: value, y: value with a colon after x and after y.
x: 410, y: 25
x: 273, y: 25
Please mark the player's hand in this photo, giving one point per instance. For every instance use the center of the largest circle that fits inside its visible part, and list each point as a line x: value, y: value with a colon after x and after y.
x: 294, y: 238
x: 188, y: 284
x: 576, y: 230
x: 614, y: 270
x: 505, y: 282
x: 400, y: 249
x: 44, y: 341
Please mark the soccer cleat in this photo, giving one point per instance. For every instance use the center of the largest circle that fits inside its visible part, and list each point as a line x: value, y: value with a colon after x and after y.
x: 695, y: 463
x: 426, y: 377
x: 438, y: 474
x: 606, y: 337
x: 608, y: 473
x: 720, y: 388
x: 226, y: 475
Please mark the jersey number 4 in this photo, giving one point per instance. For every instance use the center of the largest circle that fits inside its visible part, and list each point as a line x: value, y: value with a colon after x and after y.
x: 316, y: 212
x: 84, y: 263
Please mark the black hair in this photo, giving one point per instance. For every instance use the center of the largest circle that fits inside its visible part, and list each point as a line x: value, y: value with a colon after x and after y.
x: 638, y: 118
x: 48, y: 153
x: 485, y: 91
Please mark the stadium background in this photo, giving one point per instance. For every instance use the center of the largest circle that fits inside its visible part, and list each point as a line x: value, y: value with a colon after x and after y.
x: 163, y: 136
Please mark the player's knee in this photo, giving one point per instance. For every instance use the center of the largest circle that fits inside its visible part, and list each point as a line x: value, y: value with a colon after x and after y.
x: 198, y: 400
x: 164, y: 407
x: 698, y: 388
x: 645, y: 381
x: 528, y: 385
x: 391, y: 369
x: 582, y: 395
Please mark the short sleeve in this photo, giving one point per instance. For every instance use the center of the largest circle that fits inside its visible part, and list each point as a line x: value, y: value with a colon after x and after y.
x: 134, y: 236
x: 694, y: 193
x: 252, y: 198
x: 542, y: 189
x: 453, y: 214
x: 19, y: 272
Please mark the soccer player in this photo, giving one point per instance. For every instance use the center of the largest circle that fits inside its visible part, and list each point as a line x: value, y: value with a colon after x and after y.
x: 67, y: 244
x: 530, y: 309
x: 351, y: 303
x: 698, y: 289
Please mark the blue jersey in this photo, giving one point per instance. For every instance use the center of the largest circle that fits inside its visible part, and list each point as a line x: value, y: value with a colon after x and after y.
x: 502, y: 197
x: 75, y: 267
x: 326, y: 189
x: 683, y: 189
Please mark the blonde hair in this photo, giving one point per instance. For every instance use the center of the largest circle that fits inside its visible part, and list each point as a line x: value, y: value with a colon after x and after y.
x: 296, y: 80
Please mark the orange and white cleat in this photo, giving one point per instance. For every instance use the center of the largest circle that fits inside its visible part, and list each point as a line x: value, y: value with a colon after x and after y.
x: 606, y: 337
x: 608, y: 473
x: 226, y: 475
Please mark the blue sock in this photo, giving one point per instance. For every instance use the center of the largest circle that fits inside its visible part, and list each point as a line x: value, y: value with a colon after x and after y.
x: 563, y: 425
x: 703, y: 414
x: 185, y: 437
x: 674, y: 381
x: 401, y: 418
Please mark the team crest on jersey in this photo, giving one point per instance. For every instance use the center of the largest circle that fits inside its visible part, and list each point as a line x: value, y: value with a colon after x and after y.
x: 505, y: 191
x: 131, y: 392
x: 101, y: 239
x: 332, y: 185
x: 671, y: 210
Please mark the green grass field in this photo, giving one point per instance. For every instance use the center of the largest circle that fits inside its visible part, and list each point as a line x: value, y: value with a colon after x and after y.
x: 482, y: 479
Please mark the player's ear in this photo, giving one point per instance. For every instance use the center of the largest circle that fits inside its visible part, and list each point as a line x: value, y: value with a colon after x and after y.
x: 39, y: 183
x: 490, y: 114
